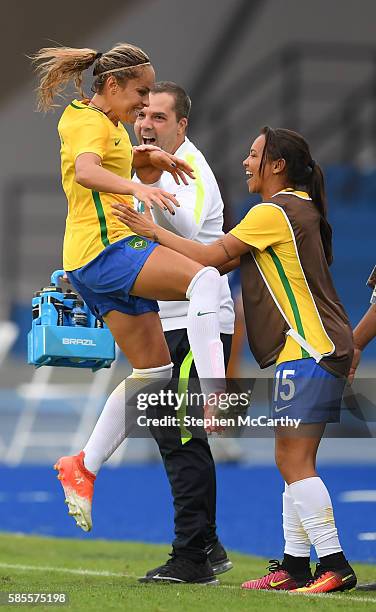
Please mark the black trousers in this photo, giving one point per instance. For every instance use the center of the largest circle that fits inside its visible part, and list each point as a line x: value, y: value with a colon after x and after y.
x: 188, y: 460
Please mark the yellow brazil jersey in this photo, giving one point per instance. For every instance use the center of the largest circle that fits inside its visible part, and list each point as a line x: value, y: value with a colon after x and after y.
x: 266, y: 228
x: 90, y: 224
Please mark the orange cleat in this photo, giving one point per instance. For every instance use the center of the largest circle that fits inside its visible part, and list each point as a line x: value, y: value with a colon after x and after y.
x: 278, y: 579
x: 329, y: 581
x: 78, y: 485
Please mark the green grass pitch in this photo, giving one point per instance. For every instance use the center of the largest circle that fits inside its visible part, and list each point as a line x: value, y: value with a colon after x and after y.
x: 102, y: 575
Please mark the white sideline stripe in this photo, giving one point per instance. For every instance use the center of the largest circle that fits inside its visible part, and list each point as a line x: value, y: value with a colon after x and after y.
x: 367, y: 535
x: 66, y: 570
x: 106, y: 574
x: 367, y: 495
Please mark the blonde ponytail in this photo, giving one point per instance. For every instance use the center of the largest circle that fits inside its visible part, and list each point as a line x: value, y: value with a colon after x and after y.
x: 57, y: 66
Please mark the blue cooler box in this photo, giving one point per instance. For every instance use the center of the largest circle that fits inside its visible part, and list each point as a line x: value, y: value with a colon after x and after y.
x: 65, y: 333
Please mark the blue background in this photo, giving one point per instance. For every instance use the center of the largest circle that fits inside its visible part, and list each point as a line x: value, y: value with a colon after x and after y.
x: 249, y: 506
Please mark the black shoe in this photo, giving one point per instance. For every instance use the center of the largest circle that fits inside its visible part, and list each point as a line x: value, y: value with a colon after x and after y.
x: 180, y: 570
x: 218, y: 558
x: 155, y: 570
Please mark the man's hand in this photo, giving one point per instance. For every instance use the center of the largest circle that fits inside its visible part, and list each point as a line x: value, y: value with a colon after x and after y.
x: 211, y: 415
x: 149, y: 155
x: 177, y: 167
x: 145, y: 148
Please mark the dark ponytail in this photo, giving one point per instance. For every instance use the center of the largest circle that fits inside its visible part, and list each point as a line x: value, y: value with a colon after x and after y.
x: 316, y: 191
x: 301, y: 171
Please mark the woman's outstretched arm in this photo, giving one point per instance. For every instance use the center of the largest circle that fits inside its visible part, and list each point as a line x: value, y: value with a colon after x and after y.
x: 219, y: 253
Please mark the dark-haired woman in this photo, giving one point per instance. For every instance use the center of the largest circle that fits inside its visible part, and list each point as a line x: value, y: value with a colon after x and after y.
x: 294, y: 319
x: 118, y: 274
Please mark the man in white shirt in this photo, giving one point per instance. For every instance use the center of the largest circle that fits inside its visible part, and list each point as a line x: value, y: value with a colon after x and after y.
x: 187, y: 458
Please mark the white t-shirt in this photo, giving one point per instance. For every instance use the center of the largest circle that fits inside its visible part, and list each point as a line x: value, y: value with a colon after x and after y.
x: 199, y: 217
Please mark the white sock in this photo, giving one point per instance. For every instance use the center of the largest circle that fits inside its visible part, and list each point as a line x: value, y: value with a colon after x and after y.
x: 314, y: 507
x: 297, y: 541
x: 203, y: 329
x: 120, y: 413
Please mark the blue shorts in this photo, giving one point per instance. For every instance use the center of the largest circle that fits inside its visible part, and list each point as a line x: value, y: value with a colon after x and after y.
x: 105, y: 282
x: 304, y: 390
